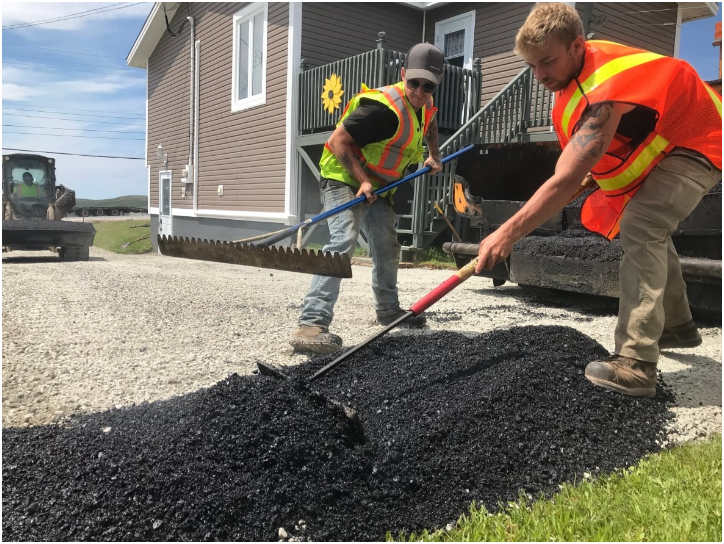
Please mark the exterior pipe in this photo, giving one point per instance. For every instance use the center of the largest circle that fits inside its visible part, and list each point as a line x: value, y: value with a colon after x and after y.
x: 196, y: 126
x: 191, y: 90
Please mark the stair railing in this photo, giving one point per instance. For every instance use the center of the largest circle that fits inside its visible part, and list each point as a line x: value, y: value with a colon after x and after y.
x: 524, y: 103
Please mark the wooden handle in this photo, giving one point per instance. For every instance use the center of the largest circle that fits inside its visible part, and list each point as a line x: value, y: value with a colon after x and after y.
x: 444, y: 288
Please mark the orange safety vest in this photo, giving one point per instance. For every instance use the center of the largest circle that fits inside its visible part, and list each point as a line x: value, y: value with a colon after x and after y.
x: 687, y: 110
x: 385, y: 161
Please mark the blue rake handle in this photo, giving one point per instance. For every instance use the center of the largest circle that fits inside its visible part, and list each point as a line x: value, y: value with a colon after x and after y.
x: 280, y: 235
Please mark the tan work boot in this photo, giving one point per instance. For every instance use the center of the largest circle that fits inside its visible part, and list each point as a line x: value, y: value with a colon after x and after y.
x: 625, y: 375
x: 315, y: 340
x: 681, y: 336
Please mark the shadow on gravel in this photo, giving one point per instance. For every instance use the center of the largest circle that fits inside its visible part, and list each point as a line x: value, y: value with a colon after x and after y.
x: 542, y: 298
x: 449, y: 419
x: 34, y: 259
x: 21, y: 259
x: 700, y: 370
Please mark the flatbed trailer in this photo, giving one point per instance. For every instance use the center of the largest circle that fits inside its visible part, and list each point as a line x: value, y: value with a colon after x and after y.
x: 494, y: 181
x: 100, y: 211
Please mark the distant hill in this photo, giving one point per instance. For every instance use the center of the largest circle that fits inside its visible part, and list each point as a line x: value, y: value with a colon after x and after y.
x: 137, y: 201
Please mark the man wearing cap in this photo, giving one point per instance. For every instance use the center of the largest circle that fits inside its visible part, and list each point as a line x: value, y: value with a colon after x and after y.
x: 379, y: 135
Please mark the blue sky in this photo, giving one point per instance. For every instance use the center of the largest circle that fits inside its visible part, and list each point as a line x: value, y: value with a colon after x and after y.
x: 70, y: 79
x: 72, y: 74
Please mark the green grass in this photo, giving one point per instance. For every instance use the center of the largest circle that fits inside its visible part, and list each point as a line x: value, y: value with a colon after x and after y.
x: 135, y: 201
x: 672, y: 496
x: 435, y: 257
x: 431, y: 257
x: 111, y: 235
x: 358, y: 252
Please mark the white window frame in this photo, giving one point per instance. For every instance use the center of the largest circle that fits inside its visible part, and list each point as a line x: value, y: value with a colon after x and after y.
x: 247, y: 15
x: 464, y: 21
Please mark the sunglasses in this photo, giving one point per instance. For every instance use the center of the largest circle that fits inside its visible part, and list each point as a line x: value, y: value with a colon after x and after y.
x: 413, y: 84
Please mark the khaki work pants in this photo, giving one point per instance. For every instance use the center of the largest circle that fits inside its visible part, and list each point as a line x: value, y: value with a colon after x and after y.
x: 652, y: 290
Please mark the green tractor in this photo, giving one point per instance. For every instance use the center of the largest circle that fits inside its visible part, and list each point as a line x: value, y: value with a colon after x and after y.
x: 33, y: 207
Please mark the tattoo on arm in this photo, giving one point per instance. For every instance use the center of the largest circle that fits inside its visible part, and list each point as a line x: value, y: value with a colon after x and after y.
x: 346, y: 161
x: 431, y: 137
x: 590, y: 142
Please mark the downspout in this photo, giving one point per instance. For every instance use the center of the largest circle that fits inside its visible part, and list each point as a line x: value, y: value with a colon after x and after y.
x: 191, y: 92
x: 677, y: 35
x: 196, y: 127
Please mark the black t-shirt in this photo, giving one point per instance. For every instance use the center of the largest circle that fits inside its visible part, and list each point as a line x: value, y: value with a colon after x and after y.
x: 372, y: 122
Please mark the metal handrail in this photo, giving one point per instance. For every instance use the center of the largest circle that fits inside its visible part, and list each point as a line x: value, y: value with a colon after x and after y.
x: 457, y: 97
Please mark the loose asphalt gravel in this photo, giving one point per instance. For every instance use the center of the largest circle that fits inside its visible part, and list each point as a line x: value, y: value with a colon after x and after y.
x: 132, y: 410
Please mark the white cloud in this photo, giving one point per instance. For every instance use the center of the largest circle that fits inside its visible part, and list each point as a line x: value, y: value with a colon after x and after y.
x: 16, y: 84
x: 11, y: 91
x: 14, y: 13
x: 110, y: 85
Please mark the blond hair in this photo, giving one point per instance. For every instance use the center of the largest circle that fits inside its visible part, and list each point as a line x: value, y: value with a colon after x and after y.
x: 548, y: 21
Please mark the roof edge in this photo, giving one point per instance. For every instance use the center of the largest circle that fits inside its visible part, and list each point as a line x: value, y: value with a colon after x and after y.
x: 694, y: 11
x: 150, y: 35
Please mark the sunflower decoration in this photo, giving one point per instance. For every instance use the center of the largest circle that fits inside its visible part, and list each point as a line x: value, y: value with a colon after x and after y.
x: 332, y: 93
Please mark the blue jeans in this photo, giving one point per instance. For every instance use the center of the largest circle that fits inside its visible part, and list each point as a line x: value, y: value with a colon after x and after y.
x: 377, y: 222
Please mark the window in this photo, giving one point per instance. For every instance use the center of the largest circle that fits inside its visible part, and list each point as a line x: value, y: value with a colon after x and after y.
x: 454, y: 37
x: 248, y: 82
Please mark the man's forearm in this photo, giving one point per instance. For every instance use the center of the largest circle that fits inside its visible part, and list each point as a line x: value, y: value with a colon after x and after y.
x: 585, y: 149
x: 344, y: 154
x: 431, y: 137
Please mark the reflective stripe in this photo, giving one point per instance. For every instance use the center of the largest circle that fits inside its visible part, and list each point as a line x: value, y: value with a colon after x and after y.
x: 390, y: 161
x: 382, y: 161
x: 601, y: 75
x: 636, y: 168
x: 715, y: 97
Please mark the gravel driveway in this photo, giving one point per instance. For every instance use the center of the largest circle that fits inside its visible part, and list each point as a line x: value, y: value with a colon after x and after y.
x: 87, y: 336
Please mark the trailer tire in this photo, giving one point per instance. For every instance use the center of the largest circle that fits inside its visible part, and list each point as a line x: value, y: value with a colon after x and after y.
x: 75, y: 253
x: 100, y: 212
x: 114, y: 212
x: 84, y: 212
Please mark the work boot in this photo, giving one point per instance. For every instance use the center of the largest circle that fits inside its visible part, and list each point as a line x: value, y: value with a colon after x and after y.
x: 625, y: 375
x: 312, y: 339
x: 681, y: 336
x: 414, y: 322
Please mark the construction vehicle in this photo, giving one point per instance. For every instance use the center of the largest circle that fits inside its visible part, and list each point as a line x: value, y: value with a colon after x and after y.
x: 494, y: 181
x: 33, y: 209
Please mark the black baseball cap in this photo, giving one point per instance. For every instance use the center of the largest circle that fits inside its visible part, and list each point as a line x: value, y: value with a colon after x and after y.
x: 424, y: 61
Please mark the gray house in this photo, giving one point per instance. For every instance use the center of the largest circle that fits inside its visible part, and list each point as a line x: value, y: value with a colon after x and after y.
x: 242, y: 96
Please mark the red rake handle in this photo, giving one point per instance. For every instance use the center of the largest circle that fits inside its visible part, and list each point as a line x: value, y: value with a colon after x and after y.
x: 420, y: 306
x: 444, y: 288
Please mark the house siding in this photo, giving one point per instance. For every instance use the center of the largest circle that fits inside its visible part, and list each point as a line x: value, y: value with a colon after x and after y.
x: 644, y: 25
x: 496, y: 25
x: 168, y: 107
x: 243, y: 151
x: 333, y: 31
x: 648, y: 26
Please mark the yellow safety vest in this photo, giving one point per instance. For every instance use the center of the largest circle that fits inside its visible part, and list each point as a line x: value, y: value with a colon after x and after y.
x: 384, y: 161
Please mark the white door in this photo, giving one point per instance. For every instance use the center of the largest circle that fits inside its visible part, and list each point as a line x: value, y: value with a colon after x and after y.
x: 454, y: 37
x: 165, y: 222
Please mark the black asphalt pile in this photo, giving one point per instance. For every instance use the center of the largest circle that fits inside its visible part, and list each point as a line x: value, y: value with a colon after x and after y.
x: 45, y: 225
x: 571, y: 244
x: 449, y: 419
